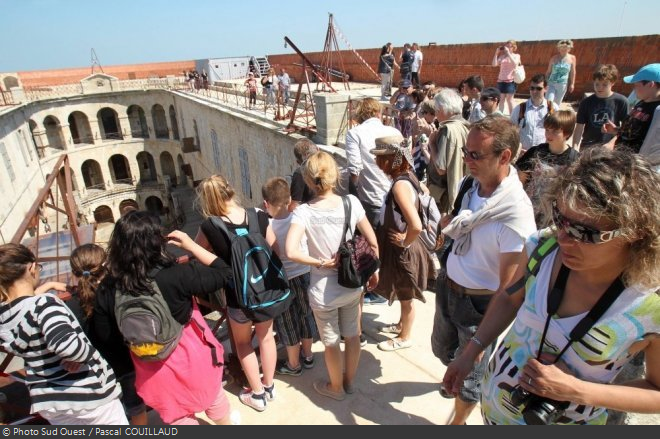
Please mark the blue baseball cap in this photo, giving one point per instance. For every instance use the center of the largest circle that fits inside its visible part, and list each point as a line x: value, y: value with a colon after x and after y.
x: 405, y: 83
x: 650, y: 72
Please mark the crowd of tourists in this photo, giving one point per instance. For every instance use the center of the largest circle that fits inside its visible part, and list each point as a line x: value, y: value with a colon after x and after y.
x: 544, y: 262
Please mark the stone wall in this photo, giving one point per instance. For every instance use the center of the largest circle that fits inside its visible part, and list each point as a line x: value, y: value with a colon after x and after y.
x: 447, y: 65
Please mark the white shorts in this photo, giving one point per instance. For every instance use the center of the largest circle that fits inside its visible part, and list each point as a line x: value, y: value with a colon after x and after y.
x: 111, y: 413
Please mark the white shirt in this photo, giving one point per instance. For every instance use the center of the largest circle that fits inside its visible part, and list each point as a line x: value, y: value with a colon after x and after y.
x: 285, y: 80
x: 373, y: 184
x: 479, y: 268
x: 417, y: 62
x: 281, y: 229
x: 532, y: 132
x: 323, y: 229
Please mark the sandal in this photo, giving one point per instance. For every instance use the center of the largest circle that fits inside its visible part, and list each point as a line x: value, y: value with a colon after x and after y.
x: 391, y: 329
x: 321, y: 387
x: 394, y: 345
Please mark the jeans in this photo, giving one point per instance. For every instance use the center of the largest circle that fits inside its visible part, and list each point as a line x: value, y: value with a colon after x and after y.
x: 556, y: 92
x: 457, y: 317
x: 386, y: 85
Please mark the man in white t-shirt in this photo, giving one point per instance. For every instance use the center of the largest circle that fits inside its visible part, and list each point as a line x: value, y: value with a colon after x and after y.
x: 485, y: 253
x: 418, y: 60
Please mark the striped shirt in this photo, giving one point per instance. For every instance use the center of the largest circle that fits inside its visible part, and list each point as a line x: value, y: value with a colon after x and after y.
x: 42, y: 331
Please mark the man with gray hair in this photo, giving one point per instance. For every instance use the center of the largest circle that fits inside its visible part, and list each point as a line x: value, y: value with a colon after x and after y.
x: 300, y: 192
x: 447, y: 167
x: 489, y: 232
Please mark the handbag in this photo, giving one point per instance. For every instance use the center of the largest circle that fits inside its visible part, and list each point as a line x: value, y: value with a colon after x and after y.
x: 357, y: 260
x: 519, y: 74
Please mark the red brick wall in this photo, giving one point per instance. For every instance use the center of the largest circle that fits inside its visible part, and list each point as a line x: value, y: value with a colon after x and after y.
x: 448, y: 65
x: 74, y: 75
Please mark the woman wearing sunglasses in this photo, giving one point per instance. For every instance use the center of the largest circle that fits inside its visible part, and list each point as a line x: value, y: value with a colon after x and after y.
x: 601, y: 279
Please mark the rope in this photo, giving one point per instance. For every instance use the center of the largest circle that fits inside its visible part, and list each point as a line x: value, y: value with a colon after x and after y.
x: 345, y: 40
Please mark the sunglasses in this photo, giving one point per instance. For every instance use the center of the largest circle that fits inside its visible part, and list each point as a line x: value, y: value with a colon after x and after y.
x: 536, y: 88
x: 579, y: 232
x: 485, y: 98
x: 472, y: 155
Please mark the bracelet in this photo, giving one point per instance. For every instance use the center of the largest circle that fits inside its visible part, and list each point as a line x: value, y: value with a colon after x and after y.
x: 320, y: 264
x: 478, y: 342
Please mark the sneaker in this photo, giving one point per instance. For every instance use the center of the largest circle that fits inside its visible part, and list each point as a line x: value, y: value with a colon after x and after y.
x: 307, y: 362
x: 394, y: 345
x: 374, y: 299
x: 270, y: 392
x: 283, y: 368
x: 251, y: 399
x: 363, y: 340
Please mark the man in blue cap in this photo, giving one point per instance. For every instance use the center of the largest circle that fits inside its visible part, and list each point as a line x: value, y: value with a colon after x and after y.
x: 404, y: 103
x: 640, y: 132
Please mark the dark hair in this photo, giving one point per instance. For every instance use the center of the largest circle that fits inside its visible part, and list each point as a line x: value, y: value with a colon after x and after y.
x: 492, y: 92
x: 540, y: 79
x: 475, y: 82
x: 87, y: 265
x: 136, y: 247
x: 384, y: 50
x: 563, y: 120
x: 14, y: 259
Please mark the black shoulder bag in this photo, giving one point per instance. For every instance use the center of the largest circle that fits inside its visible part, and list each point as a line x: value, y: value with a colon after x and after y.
x: 357, y: 260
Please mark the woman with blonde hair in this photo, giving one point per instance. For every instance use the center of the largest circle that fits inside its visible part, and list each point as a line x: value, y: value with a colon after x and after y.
x: 216, y: 198
x: 336, y: 309
x: 507, y: 59
x: 561, y: 73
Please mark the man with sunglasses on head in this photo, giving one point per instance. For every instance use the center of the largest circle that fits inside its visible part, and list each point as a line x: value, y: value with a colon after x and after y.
x: 490, y: 101
x: 530, y: 114
x: 489, y: 232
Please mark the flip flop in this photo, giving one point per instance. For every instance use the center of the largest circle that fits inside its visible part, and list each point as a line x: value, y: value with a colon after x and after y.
x: 321, y: 387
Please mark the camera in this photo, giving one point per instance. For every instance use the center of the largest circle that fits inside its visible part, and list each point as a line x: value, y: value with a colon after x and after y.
x: 537, y: 410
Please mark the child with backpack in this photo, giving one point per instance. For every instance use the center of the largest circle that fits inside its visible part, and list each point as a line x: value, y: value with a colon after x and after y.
x: 178, y: 368
x: 296, y: 326
x: 68, y: 380
x: 91, y: 304
x: 226, y: 221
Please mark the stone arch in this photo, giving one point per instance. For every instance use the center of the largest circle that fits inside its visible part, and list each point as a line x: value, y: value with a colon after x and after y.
x: 120, y: 170
x: 154, y: 205
x: 167, y: 166
x: 174, y: 123
x: 81, y: 132
x: 92, y: 175
x: 103, y: 214
x: 147, y: 167
x: 160, y: 122
x: 138, y: 121
x: 54, y: 133
x: 74, y: 185
x: 128, y: 206
x: 10, y: 82
x: 109, y: 124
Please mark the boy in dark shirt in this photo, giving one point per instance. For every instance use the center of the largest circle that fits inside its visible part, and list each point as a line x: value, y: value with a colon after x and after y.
x: 601, y: 107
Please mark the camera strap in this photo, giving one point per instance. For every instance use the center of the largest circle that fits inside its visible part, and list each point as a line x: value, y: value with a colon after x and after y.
x: 555, y: 297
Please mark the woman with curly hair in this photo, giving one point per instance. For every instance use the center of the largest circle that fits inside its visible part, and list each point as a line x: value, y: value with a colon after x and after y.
x: 586, y: 306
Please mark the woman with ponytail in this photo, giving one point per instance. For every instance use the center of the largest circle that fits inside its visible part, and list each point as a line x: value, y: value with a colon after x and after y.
x: 90, y: 304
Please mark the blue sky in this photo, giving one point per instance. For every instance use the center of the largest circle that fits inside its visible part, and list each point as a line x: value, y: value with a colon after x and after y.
x: 46, y: 34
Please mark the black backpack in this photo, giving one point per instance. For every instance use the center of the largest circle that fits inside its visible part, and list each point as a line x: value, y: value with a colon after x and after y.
x: 260, y: 286
x: 147, y: 324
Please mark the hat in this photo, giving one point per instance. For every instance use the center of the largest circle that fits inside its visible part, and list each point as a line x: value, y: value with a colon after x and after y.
x: 650, y: 72
x: 405, y: 83
x: 250, y: 74
x: 395, y: 145
x: 491, y: 92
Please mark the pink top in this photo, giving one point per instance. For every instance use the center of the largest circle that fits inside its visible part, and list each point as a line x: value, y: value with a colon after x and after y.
x: 507, y: 67
x: 187, y: 382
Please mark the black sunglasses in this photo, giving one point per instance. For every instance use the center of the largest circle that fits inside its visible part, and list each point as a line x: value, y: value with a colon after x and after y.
x: 536, y: 88
x: 472, y: 155
x: 579, y: 232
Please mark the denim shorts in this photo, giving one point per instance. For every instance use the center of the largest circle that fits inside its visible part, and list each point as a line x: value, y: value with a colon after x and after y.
x: 457, y: 317
x: 508, y: 88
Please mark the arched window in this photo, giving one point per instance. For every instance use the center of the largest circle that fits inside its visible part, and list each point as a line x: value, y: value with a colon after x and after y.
x: 160, y: 122
x: 174, y: 123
